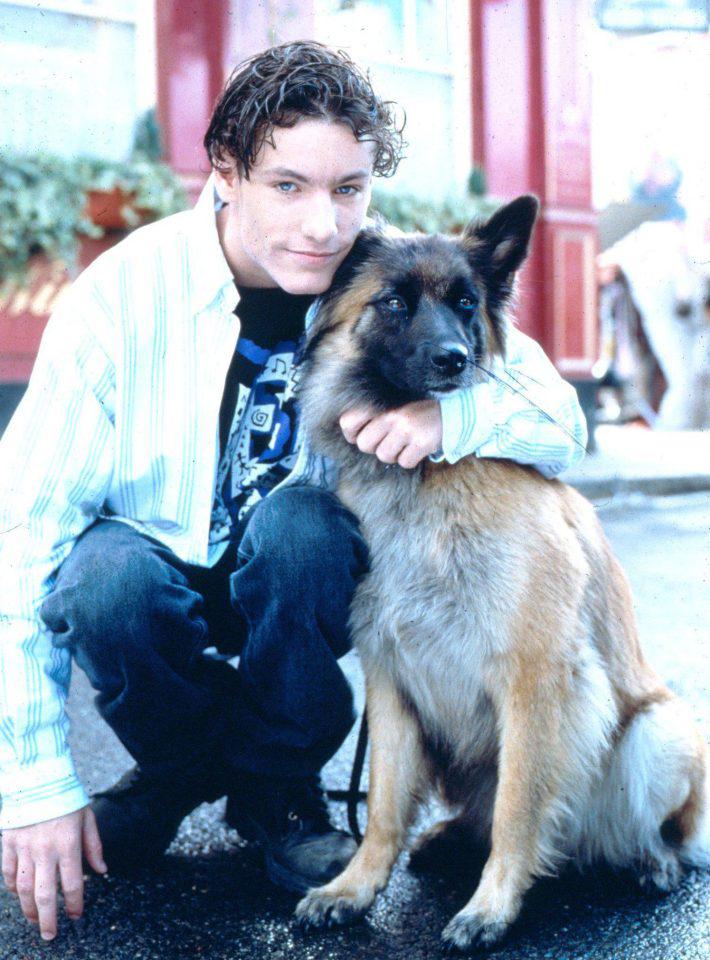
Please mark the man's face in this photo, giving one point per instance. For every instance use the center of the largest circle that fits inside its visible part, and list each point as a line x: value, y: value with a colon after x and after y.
x: 292, y: 223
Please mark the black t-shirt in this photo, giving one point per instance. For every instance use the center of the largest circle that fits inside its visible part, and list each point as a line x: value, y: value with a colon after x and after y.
x: 258, y: 420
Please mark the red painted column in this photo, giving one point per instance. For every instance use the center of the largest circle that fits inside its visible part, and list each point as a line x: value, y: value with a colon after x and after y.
x: 570, y: 234
x: 507, y: 124
x: 199, y: 42
x: 531, y: 114
x: 190, y: 53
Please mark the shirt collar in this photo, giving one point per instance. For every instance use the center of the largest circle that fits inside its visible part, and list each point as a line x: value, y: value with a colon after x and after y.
x: 212, y: 280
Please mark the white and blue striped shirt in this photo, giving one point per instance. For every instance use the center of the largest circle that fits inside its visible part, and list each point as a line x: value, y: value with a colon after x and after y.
x: 121, y: 419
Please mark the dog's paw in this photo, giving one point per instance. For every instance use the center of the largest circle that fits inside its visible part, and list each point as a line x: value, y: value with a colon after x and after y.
x: 467, y: 930
x: 662, y: 874
x: 321, y: 909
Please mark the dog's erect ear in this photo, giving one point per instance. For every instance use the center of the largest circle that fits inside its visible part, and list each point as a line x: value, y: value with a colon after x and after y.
x: 366, y: 244
x: 499, y: 246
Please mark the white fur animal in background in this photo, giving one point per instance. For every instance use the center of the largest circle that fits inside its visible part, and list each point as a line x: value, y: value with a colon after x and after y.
x: 668, y: 287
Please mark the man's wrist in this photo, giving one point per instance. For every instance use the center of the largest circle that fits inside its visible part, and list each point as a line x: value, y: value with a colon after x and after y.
x: 467, y: 421
x: 45, y: 790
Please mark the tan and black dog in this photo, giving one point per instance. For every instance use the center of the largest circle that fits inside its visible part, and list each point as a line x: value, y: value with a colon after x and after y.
x: 495, y: 627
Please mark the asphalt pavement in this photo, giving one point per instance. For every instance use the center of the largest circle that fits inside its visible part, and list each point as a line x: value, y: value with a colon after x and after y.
x: 208, y: 897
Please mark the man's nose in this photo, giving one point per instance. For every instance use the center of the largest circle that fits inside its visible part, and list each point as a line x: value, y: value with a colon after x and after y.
x: 320, y: 224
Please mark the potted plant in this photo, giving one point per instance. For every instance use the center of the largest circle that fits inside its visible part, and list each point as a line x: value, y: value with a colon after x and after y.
x: 125, y: 194
x: 48, y: 203
x: 42, y: 205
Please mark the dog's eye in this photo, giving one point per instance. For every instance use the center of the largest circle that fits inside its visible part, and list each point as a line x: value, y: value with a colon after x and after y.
x: 395, y: 304
x: 466, y: 303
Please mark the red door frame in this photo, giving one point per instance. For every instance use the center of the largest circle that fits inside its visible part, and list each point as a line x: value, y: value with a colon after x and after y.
x: 531, y: 99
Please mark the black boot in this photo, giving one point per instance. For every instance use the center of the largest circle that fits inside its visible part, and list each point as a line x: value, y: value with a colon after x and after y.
x: 289, y: 818
x: 139, y: 816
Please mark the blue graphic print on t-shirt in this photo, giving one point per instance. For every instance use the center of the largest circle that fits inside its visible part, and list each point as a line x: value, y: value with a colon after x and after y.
x: 262, y: 445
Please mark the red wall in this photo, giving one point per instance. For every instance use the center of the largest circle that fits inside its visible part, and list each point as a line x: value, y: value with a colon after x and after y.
x: 25, y: 306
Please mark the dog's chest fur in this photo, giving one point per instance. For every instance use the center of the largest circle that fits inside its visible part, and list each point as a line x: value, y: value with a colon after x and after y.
x: 431, y: 612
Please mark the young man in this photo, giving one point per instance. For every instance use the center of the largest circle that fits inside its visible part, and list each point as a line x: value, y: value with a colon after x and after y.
x: 157, y: 502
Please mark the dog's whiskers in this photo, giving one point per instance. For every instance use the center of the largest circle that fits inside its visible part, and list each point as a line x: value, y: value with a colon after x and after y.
x: 521, y: 373
x: 521, y: 392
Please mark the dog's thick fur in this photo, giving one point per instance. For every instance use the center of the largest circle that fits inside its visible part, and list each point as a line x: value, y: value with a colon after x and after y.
x: 495, y: 627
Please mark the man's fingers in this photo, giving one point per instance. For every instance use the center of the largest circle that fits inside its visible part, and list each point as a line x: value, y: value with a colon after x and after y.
x: 373, y: 434
x: 72, y: 880
x: 46, y: 897
x: 410, y: 457
x: 9, y: 865
x: 404, y: 436
x: 390, y: 449
x: 26, y: 886
x: 352, y: 421
x: 93, y: 849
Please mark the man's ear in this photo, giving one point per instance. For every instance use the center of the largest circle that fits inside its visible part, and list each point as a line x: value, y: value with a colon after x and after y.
x: 227, y: 182
x: 499, y: 246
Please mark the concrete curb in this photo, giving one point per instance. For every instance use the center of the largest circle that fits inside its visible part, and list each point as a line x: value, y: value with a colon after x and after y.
x: 632, y: 460
x: 598, y: 488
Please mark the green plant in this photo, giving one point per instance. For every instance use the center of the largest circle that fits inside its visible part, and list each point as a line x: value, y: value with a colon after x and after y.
x: 41, y: 210
x: 450, y: 215
x: 150, y: 187
x: 147, y: 138
x: 477, y: 185
x: 43, y: 201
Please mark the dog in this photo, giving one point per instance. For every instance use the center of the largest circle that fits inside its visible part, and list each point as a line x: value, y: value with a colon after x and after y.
x: 495, y: 627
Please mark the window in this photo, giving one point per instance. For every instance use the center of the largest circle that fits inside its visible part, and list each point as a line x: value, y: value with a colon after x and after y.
x: 77, y: 73
x: 417, y: 52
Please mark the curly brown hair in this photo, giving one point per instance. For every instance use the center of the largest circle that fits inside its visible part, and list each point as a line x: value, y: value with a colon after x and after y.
x: 283, y: 84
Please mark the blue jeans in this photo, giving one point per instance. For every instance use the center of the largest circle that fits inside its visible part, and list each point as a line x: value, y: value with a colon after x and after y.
x: 137, y: 620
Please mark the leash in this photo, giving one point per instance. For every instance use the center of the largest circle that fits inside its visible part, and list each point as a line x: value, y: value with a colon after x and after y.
x: 354, y: 795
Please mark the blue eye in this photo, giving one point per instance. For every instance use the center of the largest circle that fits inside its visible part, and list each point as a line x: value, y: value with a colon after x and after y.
x: 349, y: 188
x: 285, y: 186
x: 466, y: 303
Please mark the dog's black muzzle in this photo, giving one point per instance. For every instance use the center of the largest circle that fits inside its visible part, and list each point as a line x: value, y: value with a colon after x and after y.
x: 449, y: 358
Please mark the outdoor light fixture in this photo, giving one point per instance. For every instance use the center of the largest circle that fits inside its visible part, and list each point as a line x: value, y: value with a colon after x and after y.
x: 625, y: 16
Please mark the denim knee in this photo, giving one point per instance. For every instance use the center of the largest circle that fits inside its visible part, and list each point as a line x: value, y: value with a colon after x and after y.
x: 307, y: 532
x: 115, y: 594
x: 302, y: 549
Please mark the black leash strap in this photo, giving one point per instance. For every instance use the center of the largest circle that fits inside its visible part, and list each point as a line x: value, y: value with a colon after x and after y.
x: 354, y: 795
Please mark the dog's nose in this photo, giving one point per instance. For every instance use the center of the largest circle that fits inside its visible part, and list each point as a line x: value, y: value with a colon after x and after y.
x: 450, y: 357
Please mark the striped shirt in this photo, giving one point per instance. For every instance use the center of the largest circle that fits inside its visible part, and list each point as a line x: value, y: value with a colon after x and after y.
x: 120, y: 419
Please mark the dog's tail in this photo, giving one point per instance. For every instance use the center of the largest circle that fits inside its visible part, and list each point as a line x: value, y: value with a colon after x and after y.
x: 693, y: 819
x: 654, y: 796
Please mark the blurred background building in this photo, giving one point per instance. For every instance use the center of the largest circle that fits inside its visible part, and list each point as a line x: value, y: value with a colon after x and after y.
x: 597, y: 106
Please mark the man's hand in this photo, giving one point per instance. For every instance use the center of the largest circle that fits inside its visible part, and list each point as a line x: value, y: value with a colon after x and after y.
x: 32, y: 855
x: 405, y: 436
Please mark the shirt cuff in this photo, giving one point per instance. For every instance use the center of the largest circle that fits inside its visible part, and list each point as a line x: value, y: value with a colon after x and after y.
x: 467, y: 421
x: 40, y: 791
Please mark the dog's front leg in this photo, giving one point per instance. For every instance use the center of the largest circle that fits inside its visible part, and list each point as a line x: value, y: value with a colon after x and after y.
x: 395, y: 774
x: 531, y: 766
